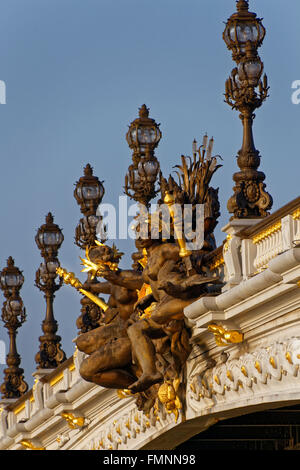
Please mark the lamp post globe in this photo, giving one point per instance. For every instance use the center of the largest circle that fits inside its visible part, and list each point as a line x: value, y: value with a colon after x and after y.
x: 49, y: 238
x: 143, y: 135
x: 89, y: 192
x: 241, y: 27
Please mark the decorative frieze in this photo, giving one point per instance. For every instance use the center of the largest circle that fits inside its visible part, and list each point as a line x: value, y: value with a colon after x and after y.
x: 257, y: 372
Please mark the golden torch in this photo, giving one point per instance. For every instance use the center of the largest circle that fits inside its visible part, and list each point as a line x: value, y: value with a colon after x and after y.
x: 69, y: 278
x: 184, y: 252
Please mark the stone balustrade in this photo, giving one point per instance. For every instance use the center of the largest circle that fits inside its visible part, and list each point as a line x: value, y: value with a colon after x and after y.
x: 251, y: 244
x: 63, y: 411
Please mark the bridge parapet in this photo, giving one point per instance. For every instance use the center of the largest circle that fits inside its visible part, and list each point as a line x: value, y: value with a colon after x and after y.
x: 254, y: 363
x: 260, y: 305
x: 252, y: 243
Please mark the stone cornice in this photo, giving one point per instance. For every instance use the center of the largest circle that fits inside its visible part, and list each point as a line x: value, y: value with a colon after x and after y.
x: 282, y: 274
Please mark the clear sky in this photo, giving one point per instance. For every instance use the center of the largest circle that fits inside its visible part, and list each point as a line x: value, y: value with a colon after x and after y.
x: 77, y: 71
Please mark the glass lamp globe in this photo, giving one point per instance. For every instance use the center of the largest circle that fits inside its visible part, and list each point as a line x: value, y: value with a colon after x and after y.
x: 241, y: 27
x: 148, y: 169
x: 49, y: 238
x: 11, y: 277
x: 144, y: 133
x: 89, y: 191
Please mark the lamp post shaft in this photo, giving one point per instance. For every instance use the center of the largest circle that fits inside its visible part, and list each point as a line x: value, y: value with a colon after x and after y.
x: 248, y: 140
x: 13, y: 316
x: 13, y: 353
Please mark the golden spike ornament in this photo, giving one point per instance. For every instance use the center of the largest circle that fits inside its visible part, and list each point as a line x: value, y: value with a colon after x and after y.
x: 170, y: 201
x: 30, y: 445
x: 125, y: 393
x: 73, y: 421
x: 183, y: 253
x: 143, y: 292
x: 101, y: 266
x: 69, y: 278
x: 143, y: 261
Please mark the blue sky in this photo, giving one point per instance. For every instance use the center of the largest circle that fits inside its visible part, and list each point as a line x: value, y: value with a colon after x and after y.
x: 76, y: 73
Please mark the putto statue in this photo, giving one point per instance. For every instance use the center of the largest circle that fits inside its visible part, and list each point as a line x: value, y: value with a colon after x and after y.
x: 142, y: 344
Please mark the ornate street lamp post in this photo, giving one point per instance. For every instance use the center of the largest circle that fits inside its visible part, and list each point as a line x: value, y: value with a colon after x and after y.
x: 143, y: 137
x: 49, y: 239
x: 89, y: 191
x: 246, y: 91
x: 13, y: 316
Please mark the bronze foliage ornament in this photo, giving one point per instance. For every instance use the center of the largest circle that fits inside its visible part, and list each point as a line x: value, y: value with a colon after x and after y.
x: 13, y: 316
x: 245, y: 92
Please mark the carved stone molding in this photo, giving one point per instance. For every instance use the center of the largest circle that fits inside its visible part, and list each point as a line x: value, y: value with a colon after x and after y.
x: 267, y: 371
x: 130, y: 429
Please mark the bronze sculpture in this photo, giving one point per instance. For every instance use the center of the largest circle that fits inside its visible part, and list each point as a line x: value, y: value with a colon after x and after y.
x: 144, y: 340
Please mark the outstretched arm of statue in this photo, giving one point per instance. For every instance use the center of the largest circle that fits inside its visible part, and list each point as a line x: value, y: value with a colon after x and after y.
x: 129, y: 279
x: 98, y: 287
x: 180, y: 286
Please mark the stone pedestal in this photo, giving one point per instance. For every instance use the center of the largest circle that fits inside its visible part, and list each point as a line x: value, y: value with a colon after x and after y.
x: 232, y: 250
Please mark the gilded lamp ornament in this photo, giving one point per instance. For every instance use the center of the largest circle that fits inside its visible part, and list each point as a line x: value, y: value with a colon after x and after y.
x: 245, y: 91
x: 49, y: 239
x: 13, y: 316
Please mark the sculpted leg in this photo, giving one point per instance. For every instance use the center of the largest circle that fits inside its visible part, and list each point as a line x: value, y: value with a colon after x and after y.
x: 93, y: 340
x: 115, y: 379
x: 105, y: 367
x: 169, y: 309
x: 144, y: 352
x: 142, y: 346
